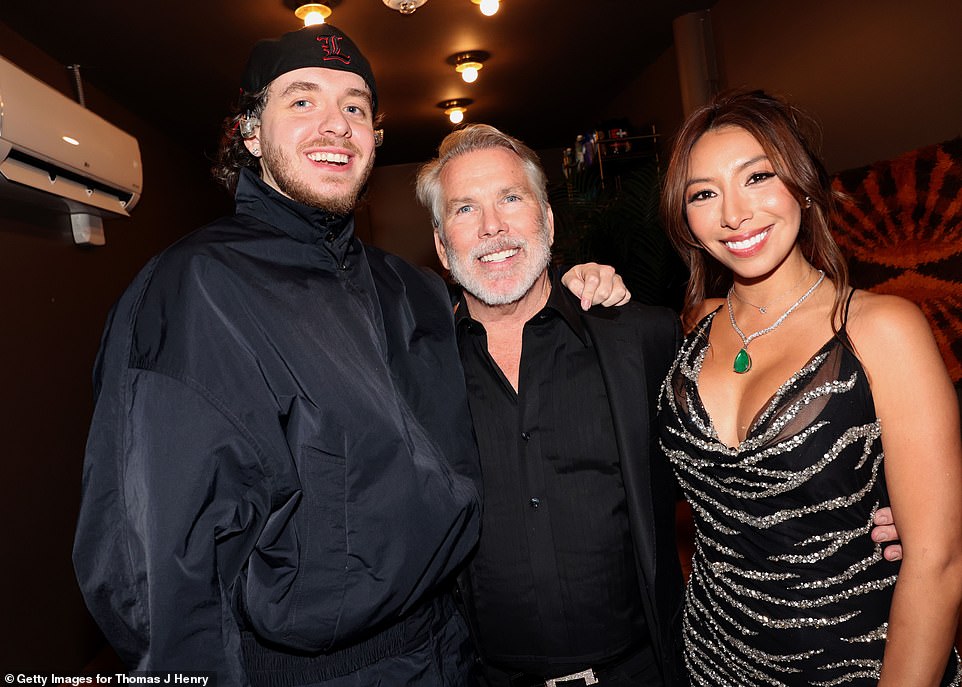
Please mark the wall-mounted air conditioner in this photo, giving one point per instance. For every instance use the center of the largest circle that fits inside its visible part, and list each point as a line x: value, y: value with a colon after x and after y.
x: 53, y: 145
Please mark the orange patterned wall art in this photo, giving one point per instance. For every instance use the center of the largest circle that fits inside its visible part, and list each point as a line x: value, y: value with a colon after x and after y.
x: 902, y: 231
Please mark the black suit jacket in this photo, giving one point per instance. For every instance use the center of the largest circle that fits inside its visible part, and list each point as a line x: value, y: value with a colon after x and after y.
x: 636, y: 345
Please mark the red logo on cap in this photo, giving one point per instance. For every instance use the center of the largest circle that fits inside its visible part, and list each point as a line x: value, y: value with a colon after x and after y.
x: 331, y: 45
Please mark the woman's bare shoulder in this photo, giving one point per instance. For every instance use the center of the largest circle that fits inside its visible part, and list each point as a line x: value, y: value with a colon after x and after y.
x: 880, y: 318
x: 891, y: 334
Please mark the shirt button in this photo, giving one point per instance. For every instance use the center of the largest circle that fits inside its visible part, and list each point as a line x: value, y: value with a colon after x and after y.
x: 525, y: 436
x: 535, y: 502
x: 330, y: 236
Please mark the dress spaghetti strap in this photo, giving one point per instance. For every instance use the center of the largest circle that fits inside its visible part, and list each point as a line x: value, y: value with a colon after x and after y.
x: 842, y: 331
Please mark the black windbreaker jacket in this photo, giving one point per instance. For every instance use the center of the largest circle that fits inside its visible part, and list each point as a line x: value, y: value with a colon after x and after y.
x: 281, y: 442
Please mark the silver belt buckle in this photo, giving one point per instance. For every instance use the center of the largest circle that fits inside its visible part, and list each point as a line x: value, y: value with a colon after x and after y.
x: 587, y: 675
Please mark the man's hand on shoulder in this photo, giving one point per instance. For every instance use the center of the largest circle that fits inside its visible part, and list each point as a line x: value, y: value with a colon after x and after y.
x: 596, y: 284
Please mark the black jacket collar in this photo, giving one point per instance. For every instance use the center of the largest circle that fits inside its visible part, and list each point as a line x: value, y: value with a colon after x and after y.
x: 301, y: 222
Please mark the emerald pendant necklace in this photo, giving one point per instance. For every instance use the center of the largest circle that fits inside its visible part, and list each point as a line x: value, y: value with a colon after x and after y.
x: 743, y: 361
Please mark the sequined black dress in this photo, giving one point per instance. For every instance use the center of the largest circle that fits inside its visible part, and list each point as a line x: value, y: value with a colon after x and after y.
x: 786, y: 586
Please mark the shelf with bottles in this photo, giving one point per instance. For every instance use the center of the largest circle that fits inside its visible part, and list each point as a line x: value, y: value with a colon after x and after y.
x: 610, y: 149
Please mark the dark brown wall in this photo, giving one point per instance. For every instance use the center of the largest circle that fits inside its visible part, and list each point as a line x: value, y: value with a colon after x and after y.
x: 880, y: 75
x: 54, y: 297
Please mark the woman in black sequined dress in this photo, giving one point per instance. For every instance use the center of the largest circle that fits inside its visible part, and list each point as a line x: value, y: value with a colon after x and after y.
x: 795, y: 409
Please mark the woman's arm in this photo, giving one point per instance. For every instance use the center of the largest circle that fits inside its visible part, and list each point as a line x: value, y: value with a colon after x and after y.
x: 918, y: 411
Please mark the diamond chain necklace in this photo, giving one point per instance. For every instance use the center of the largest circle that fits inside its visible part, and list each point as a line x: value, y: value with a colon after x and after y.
x: 763, y: 309
x: 743, y: 361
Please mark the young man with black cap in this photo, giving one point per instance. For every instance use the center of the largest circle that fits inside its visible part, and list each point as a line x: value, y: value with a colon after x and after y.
x: 280, y: 476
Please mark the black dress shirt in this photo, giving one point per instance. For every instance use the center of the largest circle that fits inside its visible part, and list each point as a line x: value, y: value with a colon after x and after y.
x: 553, y: 587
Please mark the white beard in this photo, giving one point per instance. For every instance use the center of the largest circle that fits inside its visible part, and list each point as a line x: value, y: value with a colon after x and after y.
x: 508, y: 287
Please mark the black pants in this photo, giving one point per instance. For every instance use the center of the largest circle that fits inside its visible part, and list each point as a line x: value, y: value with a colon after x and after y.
x: 637, y: 670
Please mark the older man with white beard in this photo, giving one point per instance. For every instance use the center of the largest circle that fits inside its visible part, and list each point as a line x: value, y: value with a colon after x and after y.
x: 576, y: 577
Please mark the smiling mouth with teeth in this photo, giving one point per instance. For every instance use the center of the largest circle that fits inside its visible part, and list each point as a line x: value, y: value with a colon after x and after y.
x: 330, y: 158
x: 500, y: 256
x: 747, y: 243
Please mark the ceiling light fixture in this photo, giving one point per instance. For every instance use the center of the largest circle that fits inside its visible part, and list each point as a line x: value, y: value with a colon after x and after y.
x: 404, y: 6
x: 312, y: 13
x: 468, y: 64
x: 488, y: 7
x: 455, y: 108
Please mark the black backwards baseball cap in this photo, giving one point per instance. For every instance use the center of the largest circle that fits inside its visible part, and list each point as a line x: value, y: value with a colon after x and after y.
x: 321, y: 45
